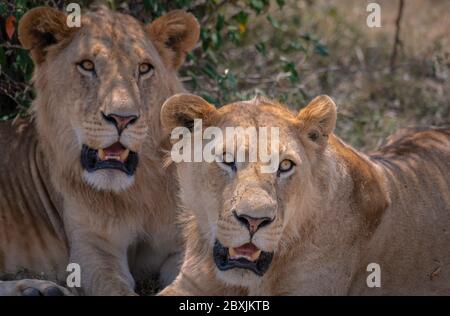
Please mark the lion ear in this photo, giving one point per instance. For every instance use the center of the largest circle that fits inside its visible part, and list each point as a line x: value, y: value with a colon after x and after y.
x: 318, y: 118
x: 174, y: 35
x: 181, y: 110
x: 41, y: 28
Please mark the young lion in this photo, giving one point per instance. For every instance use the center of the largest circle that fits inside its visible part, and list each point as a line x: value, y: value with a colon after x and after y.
x: 82, y: 180
x: 324, y: 221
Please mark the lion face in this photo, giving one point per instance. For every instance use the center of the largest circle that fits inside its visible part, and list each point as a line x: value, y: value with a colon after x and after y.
x: 100, y: 87
x: 242, y: 211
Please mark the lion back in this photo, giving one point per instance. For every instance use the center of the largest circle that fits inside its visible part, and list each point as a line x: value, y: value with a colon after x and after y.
x: 416, y: 226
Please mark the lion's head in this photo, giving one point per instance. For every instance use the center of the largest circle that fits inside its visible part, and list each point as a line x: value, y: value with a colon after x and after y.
x: 245, y: 213
x: 100, y: 88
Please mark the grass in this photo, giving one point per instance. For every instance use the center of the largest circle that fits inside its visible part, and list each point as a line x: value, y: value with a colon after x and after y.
x: 353, y: 67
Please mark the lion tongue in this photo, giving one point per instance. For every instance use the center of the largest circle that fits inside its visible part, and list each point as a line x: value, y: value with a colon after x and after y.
x: 115, y: 151
x: 248, y: 251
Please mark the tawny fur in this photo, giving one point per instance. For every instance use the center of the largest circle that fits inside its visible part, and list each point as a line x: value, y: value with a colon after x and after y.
x: 52, y: 212
x: 339, y: 211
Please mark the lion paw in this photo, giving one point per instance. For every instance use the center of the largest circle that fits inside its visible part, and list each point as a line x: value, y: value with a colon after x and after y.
x: 31, y: 287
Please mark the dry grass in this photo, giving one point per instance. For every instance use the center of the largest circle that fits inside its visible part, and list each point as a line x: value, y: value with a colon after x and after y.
x: 372, y: 101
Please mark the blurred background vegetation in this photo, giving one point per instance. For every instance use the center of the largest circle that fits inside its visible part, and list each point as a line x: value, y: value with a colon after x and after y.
x: 292, y: 51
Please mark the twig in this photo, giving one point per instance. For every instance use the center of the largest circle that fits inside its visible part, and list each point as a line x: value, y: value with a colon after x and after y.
x: 397, y: 40
x: 8, y: 45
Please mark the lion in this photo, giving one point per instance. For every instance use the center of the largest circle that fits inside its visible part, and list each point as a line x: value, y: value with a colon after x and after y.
x: 82, y: 179
x: 328, y: 220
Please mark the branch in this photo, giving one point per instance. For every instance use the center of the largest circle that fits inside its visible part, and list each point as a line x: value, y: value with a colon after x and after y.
x: 397, y: 41
x: 8, y: 45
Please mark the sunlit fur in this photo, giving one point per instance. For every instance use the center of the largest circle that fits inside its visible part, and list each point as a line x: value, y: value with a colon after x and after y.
x: 53, y: 212
x: 339, y: 211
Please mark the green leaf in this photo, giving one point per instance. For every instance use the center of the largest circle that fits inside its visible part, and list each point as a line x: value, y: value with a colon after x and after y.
x: 332, y: 12
x: 194, y: 81
x: 216, y: 39
x: 112, y: 4
x: 297, y: 46
x: 290, y: 68
x: 211, y: 72
x: 220, y: 22
x: 261, y: 48
x: 307, y: 37
x: 189, y: 56
x: 257, y: 5
x: 273, y: 21
x: 2, y: 59
x: 21, y: 3
x: 281, y: 3
x: 233, y: 34
x: 151, y: 5
x: 241, y: 17
x: 211, y: 99
x: 205, y: 38
x: 22, y: 61
x: 3, y: 9
x: 321, y: 49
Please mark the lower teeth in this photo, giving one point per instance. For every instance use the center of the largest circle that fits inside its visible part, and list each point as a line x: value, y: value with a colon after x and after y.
x: 122, y: 157
x: 234, y: 255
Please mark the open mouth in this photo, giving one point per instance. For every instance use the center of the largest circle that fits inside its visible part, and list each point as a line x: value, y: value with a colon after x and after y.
x: 247, y: 256
x: 115, y: 156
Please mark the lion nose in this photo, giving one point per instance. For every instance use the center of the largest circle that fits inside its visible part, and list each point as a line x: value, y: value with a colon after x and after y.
x: 120, y: 121
x: 252, y: 223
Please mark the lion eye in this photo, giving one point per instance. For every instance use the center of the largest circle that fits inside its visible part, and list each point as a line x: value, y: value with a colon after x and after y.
x: 286, y: 165
x: 145, y: 69
x: 86, y: 65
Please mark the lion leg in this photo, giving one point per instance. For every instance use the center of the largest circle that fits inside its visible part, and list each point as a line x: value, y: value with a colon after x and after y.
x: 104, y: 266
x: 32, y: 287
x: 103, y: 274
